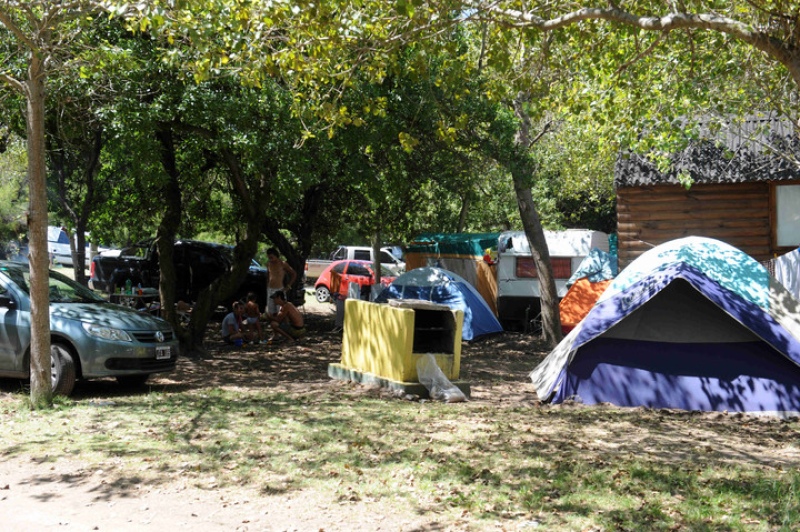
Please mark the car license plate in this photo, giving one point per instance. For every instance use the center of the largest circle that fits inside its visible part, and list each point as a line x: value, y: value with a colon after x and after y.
x: 163, y: 352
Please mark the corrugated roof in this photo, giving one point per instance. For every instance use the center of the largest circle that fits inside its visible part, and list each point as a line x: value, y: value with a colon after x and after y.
x: 755, y: 149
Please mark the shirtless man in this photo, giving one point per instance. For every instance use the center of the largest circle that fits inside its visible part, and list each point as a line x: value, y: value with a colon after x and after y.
x: 278, y: 271
x: 288, y: 322
x: 252, y: 319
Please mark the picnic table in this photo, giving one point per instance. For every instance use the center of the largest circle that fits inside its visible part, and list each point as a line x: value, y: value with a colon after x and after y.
x: 147, y: 299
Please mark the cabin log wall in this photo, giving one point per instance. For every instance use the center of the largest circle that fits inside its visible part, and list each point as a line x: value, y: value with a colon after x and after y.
x: 735, y: 213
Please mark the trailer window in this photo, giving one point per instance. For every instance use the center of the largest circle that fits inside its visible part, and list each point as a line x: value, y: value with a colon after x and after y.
x: 526, y: 269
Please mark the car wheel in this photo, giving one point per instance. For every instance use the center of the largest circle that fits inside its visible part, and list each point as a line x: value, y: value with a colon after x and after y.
x: 62, y: 370
x: 132, y: 381
x: 322, y: 294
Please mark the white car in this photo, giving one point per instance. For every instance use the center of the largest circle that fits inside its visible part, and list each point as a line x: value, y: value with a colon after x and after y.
x: 58, y: 246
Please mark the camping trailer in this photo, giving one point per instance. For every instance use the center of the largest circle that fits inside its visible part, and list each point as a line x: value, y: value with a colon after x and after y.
x: 517, y: 280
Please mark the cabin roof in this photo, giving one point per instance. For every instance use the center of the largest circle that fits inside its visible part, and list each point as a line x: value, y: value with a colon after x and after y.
x: 752, y: 150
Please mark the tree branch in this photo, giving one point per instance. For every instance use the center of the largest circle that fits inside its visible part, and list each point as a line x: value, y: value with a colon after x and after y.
x: 784, y: 51
x: 12, y: 26
x: 642, y: 54
x: 13, y: 82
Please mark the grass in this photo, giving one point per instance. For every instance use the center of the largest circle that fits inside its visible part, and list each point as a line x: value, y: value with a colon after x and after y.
x: 554, y: 468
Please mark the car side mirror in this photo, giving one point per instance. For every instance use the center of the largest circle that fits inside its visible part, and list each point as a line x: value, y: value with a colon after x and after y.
x: 7, y: 302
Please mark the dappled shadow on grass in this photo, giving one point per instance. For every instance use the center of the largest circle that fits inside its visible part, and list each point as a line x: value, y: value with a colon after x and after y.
x: 499, y: 360
x: 52, y: 482
x: 268, y: 417
x: 487, y: 461
x: 252, y: 365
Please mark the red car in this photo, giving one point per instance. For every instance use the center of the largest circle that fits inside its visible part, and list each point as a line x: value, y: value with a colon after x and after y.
x: 350, y: 271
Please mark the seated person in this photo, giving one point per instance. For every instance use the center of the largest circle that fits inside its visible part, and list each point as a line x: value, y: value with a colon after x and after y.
x: 232, y: 324
x: 252, y: 319
x: 288, y: 322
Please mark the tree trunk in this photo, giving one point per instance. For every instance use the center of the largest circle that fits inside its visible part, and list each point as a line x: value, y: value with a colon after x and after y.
x: 79, y: 256
x: 222, y: 289
x: 551, y: 321
x: 376, y: 258
x: 462, y: 215
x: 254, y: 199
x: 166, y: 232
x: 83, y: 210
x: 521, y: 173
x: 41, y: 387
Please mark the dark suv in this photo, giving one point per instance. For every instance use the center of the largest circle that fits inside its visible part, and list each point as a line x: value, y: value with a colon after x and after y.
x: 197, y: 265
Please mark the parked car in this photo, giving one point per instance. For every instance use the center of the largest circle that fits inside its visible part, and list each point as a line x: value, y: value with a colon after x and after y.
x: 89, y: 336
x: 58, y: 246
x: 351, y: 271
x: 315, y: 267
x: 197, y: 265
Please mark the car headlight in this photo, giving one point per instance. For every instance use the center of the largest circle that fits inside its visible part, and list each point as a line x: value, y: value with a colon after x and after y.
x: 106, y: 333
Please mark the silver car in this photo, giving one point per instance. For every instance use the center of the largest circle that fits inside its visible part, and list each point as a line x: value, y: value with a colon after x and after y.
x: 89, y: 336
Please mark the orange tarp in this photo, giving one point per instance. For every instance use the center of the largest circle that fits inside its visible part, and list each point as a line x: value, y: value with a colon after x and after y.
x: 578, y: 301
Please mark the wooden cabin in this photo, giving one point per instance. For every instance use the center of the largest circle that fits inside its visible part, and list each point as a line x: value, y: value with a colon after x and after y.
x: 745, y: 190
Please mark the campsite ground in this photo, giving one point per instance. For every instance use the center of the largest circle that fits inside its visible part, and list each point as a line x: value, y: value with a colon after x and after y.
x: 502, y: 461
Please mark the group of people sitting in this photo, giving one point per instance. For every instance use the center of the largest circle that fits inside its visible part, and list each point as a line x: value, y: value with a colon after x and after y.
x: 244, y: 322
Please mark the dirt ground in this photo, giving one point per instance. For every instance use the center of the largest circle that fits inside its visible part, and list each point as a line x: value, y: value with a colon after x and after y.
x: 64, y: 495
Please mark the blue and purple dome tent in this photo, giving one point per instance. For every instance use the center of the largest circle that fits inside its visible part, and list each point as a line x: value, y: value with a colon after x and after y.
x: 693, y: 324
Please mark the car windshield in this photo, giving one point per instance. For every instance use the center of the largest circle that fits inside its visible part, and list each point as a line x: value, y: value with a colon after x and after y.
x: 62, y: 288
x: 386, y: 272
x: 228, y: 252
x: 139, y: 250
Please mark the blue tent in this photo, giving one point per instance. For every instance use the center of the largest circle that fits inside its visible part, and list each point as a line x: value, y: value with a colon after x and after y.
x: 446, y: 288
x: 597, y: 266
x: 693, y: 324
